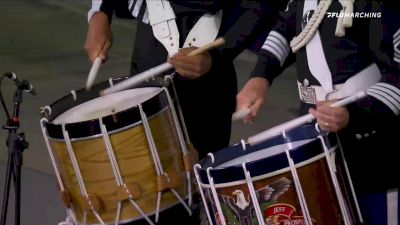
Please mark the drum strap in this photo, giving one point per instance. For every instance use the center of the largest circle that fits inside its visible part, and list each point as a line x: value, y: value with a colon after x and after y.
x: 315, y: 54
x: 162, y: 19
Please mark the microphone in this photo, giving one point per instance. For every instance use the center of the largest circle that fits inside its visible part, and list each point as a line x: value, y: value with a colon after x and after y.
x: 21, y: 84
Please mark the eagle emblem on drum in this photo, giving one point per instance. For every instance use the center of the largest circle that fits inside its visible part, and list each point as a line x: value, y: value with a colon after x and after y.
x: 239, y: 210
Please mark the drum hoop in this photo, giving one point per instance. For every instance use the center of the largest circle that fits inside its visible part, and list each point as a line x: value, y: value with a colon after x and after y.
x: 90, y: 128
x: 257, y: 167
x: 109, y: 132
x: 306, y: 132
x: 270, y: 174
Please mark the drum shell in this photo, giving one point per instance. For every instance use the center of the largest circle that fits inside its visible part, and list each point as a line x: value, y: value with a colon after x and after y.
x: 314, y: 176
x: 131, y: 149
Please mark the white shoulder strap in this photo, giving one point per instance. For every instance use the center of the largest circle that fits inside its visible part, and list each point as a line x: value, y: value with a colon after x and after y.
x: 162, y: 20
x: 205, y: 30
x: 315, y: 55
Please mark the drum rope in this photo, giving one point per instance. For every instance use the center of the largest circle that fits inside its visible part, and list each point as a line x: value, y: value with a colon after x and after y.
x: 158, y: 207
x: 182, y: 119
x: 110, y: 153
x: 78, y: 174
x: 297, y: 184
x: 118, y: 216
x: 152, y: 145
x: 117, y: 173
x: 141, y: 211
x: 73, y: 93
x: 181, y: 201
x: 252, y: 191
x: 111, y: 81
x: 176, y: 122
x: 50, y: 150
x: 338, y: 192
x: 55, y: 167
x: 353, y: 193
x: 153, y: 151
x: 196, y: 173
x: 45, y: 109
x: 180, y: 137
x: 69, y: 220
x: 215, y: 196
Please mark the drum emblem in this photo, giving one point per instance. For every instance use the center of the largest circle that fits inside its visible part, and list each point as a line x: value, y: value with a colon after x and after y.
x: 240, y: 210
x: 284, y: 214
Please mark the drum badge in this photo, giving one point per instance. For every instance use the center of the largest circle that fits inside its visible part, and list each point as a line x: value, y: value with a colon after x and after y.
x: 307, y: 93
x: 240, y: 210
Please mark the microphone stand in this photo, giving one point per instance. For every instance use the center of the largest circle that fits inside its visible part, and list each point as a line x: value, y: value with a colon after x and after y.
x: 16, y: 144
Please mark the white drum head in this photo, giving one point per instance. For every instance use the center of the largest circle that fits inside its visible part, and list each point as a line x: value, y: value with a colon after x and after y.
x: 107, y: 105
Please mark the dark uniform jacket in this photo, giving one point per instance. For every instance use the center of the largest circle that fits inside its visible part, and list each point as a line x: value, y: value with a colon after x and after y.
x: 370, y: 140
x: 208, y: 102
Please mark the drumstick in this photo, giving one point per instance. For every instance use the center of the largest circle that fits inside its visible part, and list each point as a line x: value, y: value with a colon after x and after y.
x: 158, y: 70
x: 93, y: 73
x: 277, y: 130
x: 241, y: 114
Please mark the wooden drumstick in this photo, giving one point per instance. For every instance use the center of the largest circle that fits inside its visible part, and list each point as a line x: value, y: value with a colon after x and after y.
x: 241, y: 114
x: 93, y: 73
x: 277, y: 130
x: 158, y: 70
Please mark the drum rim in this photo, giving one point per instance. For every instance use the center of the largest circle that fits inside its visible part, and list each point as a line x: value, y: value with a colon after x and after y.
x: 87, y: 129
x: 258, y: 168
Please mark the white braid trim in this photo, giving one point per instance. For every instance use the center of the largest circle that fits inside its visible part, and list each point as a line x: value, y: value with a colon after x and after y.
x: 346, y: 20
x: 308, y: 32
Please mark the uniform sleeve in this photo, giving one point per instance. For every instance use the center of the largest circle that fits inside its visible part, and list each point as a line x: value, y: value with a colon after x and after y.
x: 106, y: 6
x: 383, y: 101
x: 275, y: 54
x: 244, y: 21
x: 110, y: 7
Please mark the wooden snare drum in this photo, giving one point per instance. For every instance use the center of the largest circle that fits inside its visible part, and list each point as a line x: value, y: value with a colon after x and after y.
x: 120, y: 157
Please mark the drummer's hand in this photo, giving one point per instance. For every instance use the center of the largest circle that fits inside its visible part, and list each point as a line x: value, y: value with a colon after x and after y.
x: 252, y: 96
x: 99, y: 37
x: 330, y: 119
x: 191, y: 67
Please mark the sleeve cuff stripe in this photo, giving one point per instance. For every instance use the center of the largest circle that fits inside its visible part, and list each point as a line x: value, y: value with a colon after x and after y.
x: 137, y: 8
x: 390, y: 95
x: 284, y: 51
x: 276, y: 40
x: 130, y: 3
x: 397, y: 34
x: 274, y: 52
x: 396, y: 40
x: 280, y: 37
x: 277, y: 48
x: 384, y: 101
x: 390, y: 87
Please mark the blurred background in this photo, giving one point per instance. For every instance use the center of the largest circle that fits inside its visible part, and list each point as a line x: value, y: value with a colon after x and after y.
x: 42, y: 41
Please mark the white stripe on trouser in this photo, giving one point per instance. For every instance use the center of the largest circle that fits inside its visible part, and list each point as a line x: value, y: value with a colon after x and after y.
x: 392, y: 198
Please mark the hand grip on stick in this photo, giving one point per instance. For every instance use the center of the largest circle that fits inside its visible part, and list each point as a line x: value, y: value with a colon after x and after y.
x: 277, y: 130
x: 158, y: 70
x: 241, y: 114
